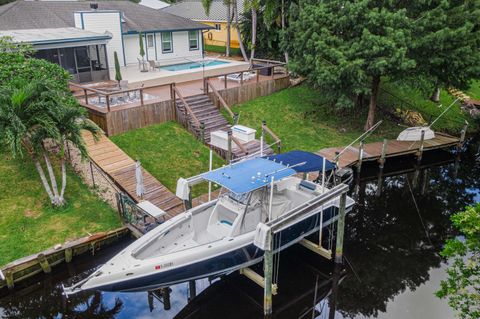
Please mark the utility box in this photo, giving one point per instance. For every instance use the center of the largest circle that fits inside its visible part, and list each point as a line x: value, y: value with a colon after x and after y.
x: 219, y: 139
x: 243, y: 133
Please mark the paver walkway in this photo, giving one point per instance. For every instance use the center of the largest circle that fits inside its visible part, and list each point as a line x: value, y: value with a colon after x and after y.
x: 121, y: 168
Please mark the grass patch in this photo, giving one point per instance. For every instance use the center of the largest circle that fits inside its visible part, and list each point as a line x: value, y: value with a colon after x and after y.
x: 222, y: 49
x: 474, y: 90
x: 168, y: 151
x: 302, y: 120
x: 451, y: 122
x: 29, y: 224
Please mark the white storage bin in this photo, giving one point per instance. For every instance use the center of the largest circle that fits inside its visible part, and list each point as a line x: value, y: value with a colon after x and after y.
x: 243, y: 133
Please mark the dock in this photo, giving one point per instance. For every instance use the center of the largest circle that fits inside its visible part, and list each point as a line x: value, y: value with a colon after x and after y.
x: 121, y: 169
x: 373, y: 151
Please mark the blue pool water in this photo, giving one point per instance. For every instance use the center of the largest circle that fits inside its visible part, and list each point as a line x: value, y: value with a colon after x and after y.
x: 191, y: 65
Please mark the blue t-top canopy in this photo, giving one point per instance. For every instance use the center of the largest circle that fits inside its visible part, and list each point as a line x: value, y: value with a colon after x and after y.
x: 313, y: 162
x: 249, y: 175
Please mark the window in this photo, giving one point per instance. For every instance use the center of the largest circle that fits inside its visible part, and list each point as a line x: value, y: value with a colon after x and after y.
x: 149, y: 40
x: 218, y: 26
x: 193, y: 40
x: 167, y: 45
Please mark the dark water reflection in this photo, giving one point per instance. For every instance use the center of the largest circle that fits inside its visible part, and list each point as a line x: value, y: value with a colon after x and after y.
x: 392, y: 241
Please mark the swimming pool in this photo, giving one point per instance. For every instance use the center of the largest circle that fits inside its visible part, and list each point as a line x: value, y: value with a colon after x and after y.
x: 192, y: 65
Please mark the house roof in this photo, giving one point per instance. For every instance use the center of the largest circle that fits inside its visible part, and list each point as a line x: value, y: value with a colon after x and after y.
x: 55, y: 35
x: 193, y: 9
x: 60, y: 14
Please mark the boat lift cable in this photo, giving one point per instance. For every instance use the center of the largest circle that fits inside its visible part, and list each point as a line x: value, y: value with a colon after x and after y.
x: 353, y: 269
x: 360, y: 138
x: 444, y: 111
x: 418, y: 211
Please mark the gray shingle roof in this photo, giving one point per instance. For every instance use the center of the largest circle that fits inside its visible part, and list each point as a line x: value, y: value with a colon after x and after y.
x: 59, y: 14
x: 193, y: 9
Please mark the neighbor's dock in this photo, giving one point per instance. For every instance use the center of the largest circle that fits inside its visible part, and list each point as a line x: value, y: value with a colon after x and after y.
x: 393, y: 148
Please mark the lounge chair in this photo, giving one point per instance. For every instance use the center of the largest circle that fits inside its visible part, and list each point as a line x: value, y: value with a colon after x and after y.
x: 153, y: 64
x: 237, y: 77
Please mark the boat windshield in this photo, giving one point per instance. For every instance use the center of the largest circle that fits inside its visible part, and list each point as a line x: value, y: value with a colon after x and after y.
x: 239, y: 198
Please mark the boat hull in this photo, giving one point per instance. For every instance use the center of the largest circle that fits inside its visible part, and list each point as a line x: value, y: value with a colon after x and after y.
x: 238, y: 258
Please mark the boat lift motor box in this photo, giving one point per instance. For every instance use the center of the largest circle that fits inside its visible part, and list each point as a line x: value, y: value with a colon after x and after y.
x: 219, y: 139
x: 243, y: 133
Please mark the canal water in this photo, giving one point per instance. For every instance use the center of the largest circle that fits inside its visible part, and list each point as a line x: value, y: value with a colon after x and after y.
x: 393, y: 268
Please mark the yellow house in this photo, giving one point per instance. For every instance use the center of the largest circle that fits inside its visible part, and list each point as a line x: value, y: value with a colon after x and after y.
x: 217, y: 18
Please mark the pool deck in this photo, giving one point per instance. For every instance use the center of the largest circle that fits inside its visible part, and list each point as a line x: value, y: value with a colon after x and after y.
x: 136, y: 78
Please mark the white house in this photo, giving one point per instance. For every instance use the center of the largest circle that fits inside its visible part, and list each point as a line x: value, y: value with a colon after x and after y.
x: 82, y: 36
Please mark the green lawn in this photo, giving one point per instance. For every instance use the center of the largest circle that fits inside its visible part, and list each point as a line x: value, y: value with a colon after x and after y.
x: 168, y: 151
x: 451, y: 122
x: 29, y: 224
x: 302, y: 120
x: 474, y: 90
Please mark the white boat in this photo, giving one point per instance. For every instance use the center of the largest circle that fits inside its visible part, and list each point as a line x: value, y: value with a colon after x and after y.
x: 218, y: 237
x: 415, y: 134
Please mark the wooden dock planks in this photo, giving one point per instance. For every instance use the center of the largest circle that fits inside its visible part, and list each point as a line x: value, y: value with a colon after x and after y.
x: 373, y: 151
x: 121, y: 168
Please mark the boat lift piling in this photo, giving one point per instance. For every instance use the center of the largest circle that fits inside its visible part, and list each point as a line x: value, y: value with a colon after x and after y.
x: 192, y: 289
x: 275, y: 226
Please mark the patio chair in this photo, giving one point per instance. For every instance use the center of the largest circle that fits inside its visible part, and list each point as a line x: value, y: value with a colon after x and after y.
x: 153, y: 64
x: 237, y: 77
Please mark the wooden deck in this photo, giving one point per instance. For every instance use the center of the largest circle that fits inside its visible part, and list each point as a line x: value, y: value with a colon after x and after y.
x: 373, y: 151
x: 121, y: 168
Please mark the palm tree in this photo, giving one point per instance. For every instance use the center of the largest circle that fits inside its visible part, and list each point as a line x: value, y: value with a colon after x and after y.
x: 228, y: 3
x: 253, y: 5
x: 40, y: 120
x: 237, y: 26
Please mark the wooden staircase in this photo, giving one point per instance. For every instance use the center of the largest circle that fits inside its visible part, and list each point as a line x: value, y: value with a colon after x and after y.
x: 207, y: 114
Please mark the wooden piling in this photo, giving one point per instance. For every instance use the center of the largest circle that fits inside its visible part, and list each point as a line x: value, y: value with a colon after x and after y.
x: 360, y: 158
x: 267, y: 292
x: 462, y: 136
x: 42, y: 260
x: 9, y: 278
x: 384, y: 153
x: 68, y: 255
x: 166, y: 298
x: 202, y: 132
x: 229, y: 151
x: 420, y: 150
x: 340, y: 229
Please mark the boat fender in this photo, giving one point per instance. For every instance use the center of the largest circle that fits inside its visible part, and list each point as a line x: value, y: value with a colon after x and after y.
x: 262, y: 238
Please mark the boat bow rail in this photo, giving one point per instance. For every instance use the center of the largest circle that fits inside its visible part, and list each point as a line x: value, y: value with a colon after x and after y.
x: 265, y: 231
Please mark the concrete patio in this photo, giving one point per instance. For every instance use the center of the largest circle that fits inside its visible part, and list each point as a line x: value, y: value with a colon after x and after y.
x: 159, y: 76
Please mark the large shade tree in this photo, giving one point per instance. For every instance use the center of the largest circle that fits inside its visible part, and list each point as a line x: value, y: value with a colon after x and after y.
x: 346, y: 47
x: 446, y: 43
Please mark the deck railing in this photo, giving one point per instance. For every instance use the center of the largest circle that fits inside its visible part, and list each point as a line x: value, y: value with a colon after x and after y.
x: 219, y: 98
x: 112, y: 92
